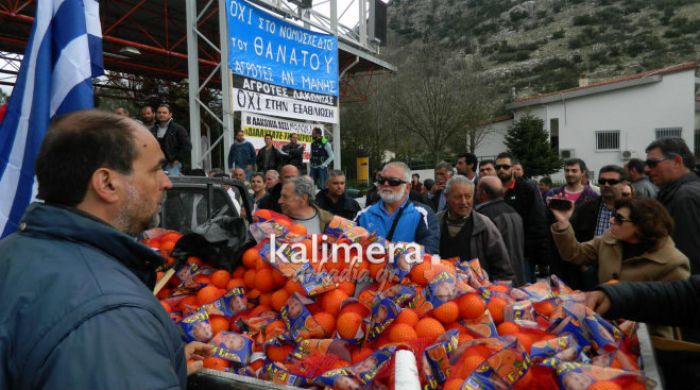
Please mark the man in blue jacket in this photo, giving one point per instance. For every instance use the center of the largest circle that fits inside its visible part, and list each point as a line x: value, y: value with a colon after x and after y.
x: 242, y: 155
x: 395, y: 217
x: 78, y: 311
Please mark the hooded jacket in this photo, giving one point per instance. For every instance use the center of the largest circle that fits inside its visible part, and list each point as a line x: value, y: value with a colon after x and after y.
x: 78, y: 311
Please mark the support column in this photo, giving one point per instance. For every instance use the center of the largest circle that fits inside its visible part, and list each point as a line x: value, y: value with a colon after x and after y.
x: 193, y: 84
x: 226, y: 85
x: 336, y: 142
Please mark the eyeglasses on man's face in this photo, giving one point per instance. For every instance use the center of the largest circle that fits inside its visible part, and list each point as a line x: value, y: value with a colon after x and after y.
x: 392, y: 181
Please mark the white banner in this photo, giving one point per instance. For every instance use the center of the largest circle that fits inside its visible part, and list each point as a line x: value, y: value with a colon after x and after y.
x: 256, y: 127
x: 252, y: 101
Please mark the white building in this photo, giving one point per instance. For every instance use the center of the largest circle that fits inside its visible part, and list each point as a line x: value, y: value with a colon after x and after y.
x: 612, y: 121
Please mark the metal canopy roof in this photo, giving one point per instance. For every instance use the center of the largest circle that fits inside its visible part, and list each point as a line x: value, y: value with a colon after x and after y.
x: 157, y: 28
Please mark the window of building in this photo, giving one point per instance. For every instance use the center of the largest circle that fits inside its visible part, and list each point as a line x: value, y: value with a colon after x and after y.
x: 607, y: 140
x: 668, y: 132
x: 554, y: 134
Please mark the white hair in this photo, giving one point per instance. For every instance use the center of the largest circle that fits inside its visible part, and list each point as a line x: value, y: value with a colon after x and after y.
x: 402, y: 166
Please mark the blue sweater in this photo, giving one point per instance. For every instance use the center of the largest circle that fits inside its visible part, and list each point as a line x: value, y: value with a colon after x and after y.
x: 418, y: 223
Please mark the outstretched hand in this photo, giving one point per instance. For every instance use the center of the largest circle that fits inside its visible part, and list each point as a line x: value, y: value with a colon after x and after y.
x: 195, y: 353
x: 598, y: 301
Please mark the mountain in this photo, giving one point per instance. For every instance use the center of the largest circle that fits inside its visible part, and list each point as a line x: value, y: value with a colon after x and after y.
x: 535, y: 46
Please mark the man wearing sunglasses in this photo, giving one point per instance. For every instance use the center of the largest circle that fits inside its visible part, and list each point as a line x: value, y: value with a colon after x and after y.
x: 395, y: 217
x: 668, y: 166
x: 526, y: 199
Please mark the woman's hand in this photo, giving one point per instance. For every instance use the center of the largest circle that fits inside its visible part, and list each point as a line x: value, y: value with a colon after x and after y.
x: 195, y: 352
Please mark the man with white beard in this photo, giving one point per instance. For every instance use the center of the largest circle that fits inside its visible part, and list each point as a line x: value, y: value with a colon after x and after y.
x: 395, y: 217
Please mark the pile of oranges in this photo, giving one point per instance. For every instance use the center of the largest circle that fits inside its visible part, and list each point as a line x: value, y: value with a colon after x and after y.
x: 343, y: 312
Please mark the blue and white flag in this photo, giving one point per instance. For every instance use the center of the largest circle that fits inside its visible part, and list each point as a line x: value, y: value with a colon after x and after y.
x: 63, y: 54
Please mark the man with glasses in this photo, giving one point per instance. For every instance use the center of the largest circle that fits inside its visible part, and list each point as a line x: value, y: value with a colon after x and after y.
x: 668, y: 166
x: 395, y: 217
x: 526, y: 199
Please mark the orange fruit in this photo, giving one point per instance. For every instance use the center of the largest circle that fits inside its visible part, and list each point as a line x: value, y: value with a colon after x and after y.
x: 188, y: 301
x: 218, y: 323
x: 220, y: 278
x: 347, y: 287
x: 545, y: 308
x: 429, y: 328
x: 159, y: 275
x: 508, y: 327
x: 298, y: 229
x: 453, y: 384
x: 208, y: 294
x: 278, y: 353
x: 402, y: 332
x: 263, y: 215
x: 326, y: 321
x: 496, y: 306
x: 635, y: 386
x: 264, y: 281
x: 195, y: 260
x: 355, y: 307
x: 202, y: 279
x: 164, y: 293
x: 331, y: 301
x: 216, y: 363
x: 464, y: 337
x: 249, y: 278
x: 604, y: 385
x: 525, y: 340
x: 419, y: 273
x: 274, y: 329
x: 166, y: 248
x: 235, y: 282
x: 498, y: 287
x: 279, y: 278
x: 471, y: 306
x: 266, y: 299
x: 407, y: 316
x: 293, y: 286
x: 471, y: 363
x: 348, y: 324
x: 279, y: 299
x: 447, y: 312
x: 250, y: 257
x: 259, y: 310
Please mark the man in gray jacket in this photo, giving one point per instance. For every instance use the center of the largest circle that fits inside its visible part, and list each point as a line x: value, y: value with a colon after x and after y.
x: 489, y: 194
x: 467, y: 234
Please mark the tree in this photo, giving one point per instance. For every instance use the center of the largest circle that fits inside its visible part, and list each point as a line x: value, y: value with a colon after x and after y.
x: 529, y: 143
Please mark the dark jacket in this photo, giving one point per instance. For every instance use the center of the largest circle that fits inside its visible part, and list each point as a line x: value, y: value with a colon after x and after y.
x: 510, y: 225
x: 271, y: 201
x: 294, y: 154
x: 587, y: 194
x: 176, y: 142
x: 346, y: 206
x: 242, y: 154
x: 674, y: 303
x: 276, y: 160
x: 526, y: 199
x: 487, y: 245
x: 76, y: 290
x: 682, y: 200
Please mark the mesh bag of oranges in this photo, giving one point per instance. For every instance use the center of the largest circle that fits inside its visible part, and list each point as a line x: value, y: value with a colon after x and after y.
x: 339, y: 324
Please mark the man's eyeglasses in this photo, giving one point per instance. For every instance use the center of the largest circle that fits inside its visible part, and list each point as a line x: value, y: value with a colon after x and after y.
x: 654, y: 163
x: 611, y: 182
x: 390, y: 181
x: 502, y: 166
x: 619, y: 219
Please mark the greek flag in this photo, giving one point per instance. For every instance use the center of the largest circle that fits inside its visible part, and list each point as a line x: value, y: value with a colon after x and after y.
x: 63, y: 54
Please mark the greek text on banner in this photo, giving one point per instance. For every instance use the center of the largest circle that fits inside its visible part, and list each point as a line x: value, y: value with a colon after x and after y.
x: 269, y: 49
x: 250, y: 101
x: 256, y: 127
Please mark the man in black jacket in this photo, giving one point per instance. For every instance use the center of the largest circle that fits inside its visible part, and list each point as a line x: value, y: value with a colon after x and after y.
x: 662, y: 303
x: 668, y: 165
x: 294, y: 152
x: 173, y: 140
x: 268, y: 156
x: 526, y: 199
x: 436, y: 196
x: 271, y: 200
x: 334, y: 199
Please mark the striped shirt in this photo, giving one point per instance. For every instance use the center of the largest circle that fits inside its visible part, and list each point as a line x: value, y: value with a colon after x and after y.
x: 604, y: 215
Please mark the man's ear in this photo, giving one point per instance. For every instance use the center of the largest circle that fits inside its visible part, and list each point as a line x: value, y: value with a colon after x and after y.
x: 104, y: 183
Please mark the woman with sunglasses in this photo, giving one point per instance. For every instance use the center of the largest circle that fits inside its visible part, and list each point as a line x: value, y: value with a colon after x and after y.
x: 636, y: 247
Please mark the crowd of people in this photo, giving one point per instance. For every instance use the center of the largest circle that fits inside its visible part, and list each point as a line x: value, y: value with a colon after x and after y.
x: 102, y: 178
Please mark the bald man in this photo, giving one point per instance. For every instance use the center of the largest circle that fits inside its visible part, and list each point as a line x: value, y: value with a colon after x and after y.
x: 489, y: 194
x: 271, y: 200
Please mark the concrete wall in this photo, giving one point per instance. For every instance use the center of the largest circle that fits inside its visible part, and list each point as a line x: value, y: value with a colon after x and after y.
x: 494, y: 142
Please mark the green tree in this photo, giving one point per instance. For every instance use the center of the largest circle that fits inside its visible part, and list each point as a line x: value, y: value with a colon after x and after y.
x: 529, y: 143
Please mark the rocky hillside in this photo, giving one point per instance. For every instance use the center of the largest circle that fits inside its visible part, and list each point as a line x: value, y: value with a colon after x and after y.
x: 537, y: 46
